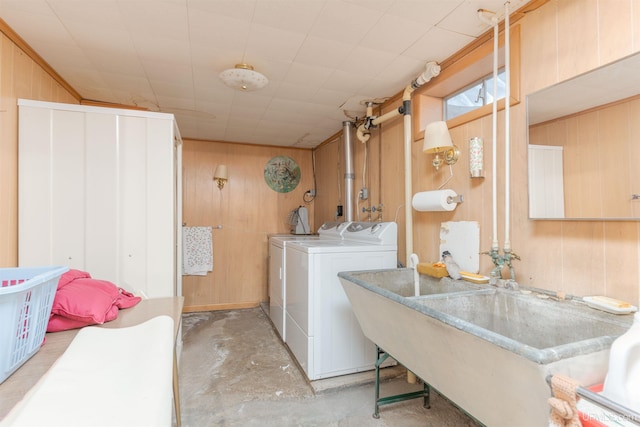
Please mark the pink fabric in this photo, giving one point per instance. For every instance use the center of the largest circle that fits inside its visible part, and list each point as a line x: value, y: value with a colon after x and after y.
x: 82, y: 301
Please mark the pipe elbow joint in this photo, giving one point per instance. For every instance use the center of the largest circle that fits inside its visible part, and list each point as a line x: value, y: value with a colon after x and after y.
x: 362, y: 134
x: 432, y: 70
x: 368, y: 122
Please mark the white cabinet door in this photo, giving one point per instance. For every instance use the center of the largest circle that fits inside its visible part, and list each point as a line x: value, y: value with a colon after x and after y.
x: 101, y: 196
x: 98, y: 192
x: 147, y: 198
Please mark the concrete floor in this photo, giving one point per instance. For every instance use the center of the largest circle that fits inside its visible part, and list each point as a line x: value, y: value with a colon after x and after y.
x: 235, y: 371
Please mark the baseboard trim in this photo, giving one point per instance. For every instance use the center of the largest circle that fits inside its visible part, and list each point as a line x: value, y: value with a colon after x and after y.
x: 216, y: 307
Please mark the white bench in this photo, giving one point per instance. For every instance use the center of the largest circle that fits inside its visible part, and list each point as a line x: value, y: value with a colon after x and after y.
x: 122, y: 373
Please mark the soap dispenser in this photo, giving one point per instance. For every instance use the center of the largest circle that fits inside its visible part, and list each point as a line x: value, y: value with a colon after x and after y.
x: 622, y: 383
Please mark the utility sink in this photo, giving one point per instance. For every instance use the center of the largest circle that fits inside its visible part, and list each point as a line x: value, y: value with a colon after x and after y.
x: 538, y: 328
x: 490, y: 350
x: 399, y: 281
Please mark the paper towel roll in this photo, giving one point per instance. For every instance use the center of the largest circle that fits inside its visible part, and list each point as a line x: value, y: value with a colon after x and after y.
x: 435, y: 201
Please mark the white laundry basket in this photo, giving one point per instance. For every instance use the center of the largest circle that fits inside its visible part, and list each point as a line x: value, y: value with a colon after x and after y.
x: 26, y: 298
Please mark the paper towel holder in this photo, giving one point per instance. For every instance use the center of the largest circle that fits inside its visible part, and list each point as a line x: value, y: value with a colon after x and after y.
x: 455, y: 199
x: 436, y: 201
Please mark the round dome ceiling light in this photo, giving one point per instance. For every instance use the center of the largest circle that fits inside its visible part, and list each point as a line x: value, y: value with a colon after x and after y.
x: 243, y: 77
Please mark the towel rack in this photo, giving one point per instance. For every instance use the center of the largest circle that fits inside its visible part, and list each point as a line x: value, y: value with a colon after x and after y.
x: 606, y: 403
x: 216, y: 227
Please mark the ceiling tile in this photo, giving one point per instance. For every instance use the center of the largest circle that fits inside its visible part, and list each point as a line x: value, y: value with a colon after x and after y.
x: 289, y: 15
x: 323, y: 58
x: 345, y: 22
x: 380, y: 40
x: 437, y: 45
x: 367, y: 62
x: 103, y: 14
x: 160, y: 18
x: 162, y: 49
x: 272, y: 43
x: 324, y: 52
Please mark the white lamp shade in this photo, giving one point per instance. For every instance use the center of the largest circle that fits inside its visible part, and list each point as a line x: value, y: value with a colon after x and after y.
x: 221, y: 172
x: 243, y: 77
x: 436, y: 137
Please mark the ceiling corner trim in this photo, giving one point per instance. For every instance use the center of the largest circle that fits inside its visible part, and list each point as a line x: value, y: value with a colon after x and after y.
x: 28, y: 50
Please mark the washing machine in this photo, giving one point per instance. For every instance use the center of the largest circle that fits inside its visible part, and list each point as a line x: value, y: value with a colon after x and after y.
x: 323, y: 333
x: 277, y: 268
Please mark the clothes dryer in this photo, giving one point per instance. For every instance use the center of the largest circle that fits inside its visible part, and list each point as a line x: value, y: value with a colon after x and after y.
x: 277, y: 268
x: 322, y: 331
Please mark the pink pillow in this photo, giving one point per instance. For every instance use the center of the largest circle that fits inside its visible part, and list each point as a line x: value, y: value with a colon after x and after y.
x: 81, y: 301
x: 59, y: 323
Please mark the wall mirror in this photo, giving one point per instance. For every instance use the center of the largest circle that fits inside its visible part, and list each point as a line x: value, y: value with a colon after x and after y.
x: 584, y: 145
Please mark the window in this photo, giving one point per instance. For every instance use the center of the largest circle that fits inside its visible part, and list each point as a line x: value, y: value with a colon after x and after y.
x: 451, y: 96
x: 473, y: 96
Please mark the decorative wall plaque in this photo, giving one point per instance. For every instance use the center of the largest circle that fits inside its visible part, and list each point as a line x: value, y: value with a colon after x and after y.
x: 282, y: 174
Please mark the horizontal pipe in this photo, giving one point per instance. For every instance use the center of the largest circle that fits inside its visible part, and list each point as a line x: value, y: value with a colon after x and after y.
x: 383, y: 118
x: 606, y: 403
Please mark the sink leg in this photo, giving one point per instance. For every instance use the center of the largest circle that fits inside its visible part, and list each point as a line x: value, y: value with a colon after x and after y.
x: 379, y: 401
x: 427, y: 394
x: 381, y: 356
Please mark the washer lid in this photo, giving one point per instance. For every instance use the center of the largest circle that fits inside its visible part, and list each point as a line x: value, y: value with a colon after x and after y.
x: 281, y: 240
x: 345, y: 246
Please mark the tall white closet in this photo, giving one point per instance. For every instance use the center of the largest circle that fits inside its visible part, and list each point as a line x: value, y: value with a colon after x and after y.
x: 100, y: 191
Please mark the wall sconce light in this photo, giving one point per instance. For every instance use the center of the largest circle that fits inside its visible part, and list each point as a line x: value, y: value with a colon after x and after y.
x: 221, y: 176
x: 437, y: 140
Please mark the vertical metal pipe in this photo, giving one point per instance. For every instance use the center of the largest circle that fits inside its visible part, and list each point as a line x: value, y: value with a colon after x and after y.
x: 349, y: 175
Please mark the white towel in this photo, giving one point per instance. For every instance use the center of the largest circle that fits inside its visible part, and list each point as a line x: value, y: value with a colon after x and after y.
x: 197, y: 251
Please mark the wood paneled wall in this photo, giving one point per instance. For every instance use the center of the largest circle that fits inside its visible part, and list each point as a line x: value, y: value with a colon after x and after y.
x: 248, y: 211
x: 559, y: 40
x: 21, y: 76
x: 331, y: 181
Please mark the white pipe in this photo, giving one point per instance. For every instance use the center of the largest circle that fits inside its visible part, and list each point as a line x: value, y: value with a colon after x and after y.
x: 408, y: 187
x: 363, y: 134
x: 507, y: 137
x: 385, y: 117
x: 493, y: 20
x: 432, y: 69
x: 494, y: 197
x: 413, y: 263
x: 488, y: 17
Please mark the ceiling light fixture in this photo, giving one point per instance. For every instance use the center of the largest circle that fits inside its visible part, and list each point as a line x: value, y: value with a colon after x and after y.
x: 243, y: 77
